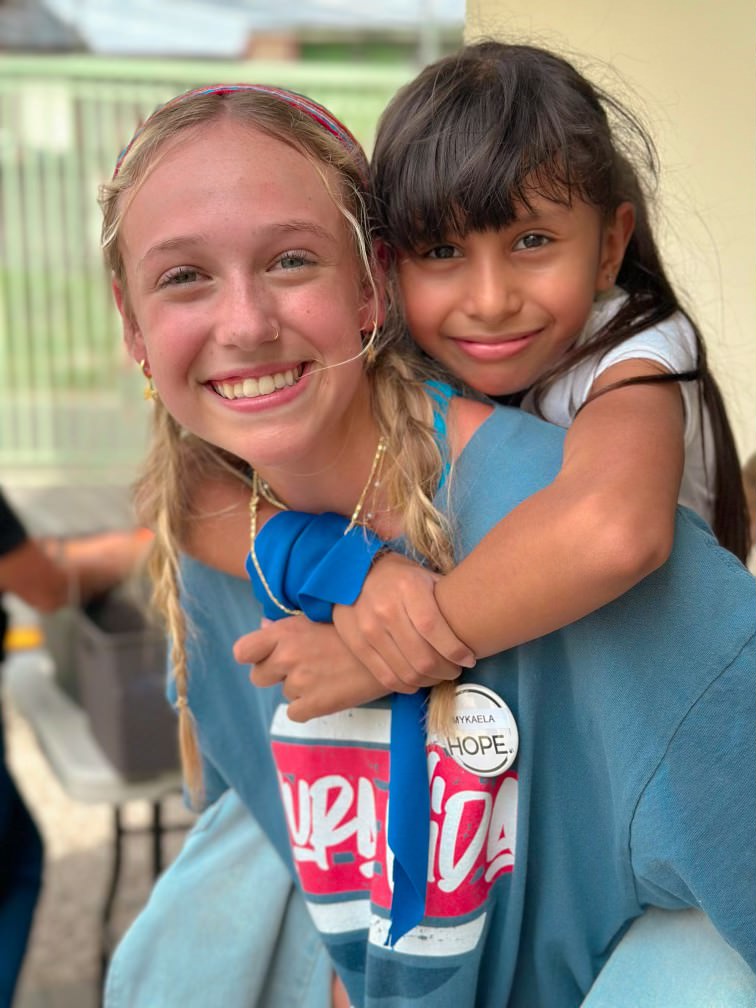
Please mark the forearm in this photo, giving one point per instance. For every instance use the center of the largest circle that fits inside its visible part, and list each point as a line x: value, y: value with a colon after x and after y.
x: 555, y: 558
x: 98, y: 563
x: 48, y: 573
x: 603, y: 524
x: 34, y: 572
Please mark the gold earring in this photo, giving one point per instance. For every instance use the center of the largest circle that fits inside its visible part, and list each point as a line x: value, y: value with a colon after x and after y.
x: 368, y: 345
x: 150, y: 392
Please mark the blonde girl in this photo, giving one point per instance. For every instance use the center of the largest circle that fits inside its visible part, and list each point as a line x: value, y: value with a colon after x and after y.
x: 254, y: 335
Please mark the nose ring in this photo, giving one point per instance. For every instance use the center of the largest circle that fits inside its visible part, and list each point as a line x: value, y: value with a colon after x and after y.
x: 276, y: 330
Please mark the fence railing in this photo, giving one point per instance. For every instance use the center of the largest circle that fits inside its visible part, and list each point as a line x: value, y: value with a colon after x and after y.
x: 70, y: 402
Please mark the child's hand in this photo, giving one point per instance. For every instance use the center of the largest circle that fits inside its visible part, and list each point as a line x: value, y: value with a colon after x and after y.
x: 319, y: 673
x: 396, y: 630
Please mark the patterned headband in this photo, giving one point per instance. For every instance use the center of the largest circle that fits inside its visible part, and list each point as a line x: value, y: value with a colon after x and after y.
x: 316, y: 112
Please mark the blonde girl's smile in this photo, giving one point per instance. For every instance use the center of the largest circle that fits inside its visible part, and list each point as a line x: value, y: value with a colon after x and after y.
x: 245, y: 295
x: 237, y: 387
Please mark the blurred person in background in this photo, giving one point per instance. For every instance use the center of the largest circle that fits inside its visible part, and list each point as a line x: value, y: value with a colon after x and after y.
x: 45, y: 574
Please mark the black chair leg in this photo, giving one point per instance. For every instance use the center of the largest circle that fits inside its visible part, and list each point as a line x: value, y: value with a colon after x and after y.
x: 157, y: 831
x: 107, y: 909
x: 157, y: 838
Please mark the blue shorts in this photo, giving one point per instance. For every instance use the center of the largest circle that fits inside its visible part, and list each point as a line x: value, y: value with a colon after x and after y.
x: 224, y: 926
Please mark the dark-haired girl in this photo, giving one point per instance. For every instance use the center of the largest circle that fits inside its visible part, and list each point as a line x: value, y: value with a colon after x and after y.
x: 509, y: 191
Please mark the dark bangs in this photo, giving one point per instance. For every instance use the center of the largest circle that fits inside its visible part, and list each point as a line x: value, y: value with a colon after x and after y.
x: 468, y: 143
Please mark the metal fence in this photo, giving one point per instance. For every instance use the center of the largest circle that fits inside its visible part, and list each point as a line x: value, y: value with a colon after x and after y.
x: 70, y: 402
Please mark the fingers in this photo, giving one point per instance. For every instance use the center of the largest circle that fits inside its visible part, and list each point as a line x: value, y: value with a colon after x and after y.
x: 318, y: 673
x: 267, y: 652
x: 329, y: 692
x: 427, y: 641
x: 256, y: 646
x: 384, y: 651
x: 398, y: 599
x: 378, y: 650
x: 430, y: 624
x: 398, y: 632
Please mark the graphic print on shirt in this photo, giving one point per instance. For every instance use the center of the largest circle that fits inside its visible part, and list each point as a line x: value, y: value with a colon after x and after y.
x: 333, y: 774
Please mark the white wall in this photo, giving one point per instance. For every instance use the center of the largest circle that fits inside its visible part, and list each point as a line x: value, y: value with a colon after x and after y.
x: 687, y: 66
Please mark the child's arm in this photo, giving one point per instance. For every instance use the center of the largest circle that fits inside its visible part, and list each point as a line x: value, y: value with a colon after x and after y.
x: 605, y: 522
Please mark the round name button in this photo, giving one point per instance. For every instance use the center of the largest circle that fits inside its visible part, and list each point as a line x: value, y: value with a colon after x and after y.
x: 486, y: 739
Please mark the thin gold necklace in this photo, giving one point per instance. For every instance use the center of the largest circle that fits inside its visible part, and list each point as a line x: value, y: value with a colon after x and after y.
x: 260, y: 488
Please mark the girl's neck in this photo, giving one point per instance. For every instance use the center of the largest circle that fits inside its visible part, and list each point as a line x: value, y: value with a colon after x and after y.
x: 337, y: 477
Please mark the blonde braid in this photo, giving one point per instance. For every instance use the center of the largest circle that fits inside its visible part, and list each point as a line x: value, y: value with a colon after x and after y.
x: 175, y: 463
x: 405, y: 415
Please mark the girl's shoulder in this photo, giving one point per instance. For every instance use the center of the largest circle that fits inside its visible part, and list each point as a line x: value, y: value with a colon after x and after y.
x: 463, y: 421
x: 466, y: 416
x: 670, y: 345
x: 672, y: 341
x: 456, y: 418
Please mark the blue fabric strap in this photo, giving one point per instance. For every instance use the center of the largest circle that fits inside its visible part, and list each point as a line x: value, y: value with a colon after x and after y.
x: 310, y: 564
x: 441, y: 394
x: 409, y: 812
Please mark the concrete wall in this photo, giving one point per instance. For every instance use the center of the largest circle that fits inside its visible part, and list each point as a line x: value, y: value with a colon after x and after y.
x: 687, y: 66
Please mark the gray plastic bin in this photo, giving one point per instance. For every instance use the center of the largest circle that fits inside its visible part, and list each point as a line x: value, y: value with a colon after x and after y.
x: 121, y: 672
x: 60, y: 629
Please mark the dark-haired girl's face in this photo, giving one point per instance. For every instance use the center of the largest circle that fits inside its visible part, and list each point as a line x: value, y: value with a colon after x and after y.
x: 499, y: 308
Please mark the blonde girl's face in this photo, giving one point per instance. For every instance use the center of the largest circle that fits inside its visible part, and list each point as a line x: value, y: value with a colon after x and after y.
x: 498, y: 308
x: 243, y: 292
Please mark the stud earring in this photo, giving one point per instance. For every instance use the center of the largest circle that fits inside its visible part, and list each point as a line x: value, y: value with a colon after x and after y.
x: 150, y: 392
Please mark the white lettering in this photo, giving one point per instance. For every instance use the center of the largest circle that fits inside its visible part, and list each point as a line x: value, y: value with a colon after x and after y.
x: 366, y: 826
x: 470, y: 828
x: 496, y: 826
x: 453, y: 872
x: 325, y: 820
x: 300, y: 829
x: 500, y: 849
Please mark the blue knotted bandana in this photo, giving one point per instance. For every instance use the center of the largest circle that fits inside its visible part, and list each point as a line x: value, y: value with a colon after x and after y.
x: 310, y: 564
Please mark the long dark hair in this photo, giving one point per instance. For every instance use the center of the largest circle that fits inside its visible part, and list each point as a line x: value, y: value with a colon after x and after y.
x: 475, y: 135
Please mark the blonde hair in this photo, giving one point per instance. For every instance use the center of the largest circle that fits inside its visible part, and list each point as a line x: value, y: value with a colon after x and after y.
x: 178, y: 460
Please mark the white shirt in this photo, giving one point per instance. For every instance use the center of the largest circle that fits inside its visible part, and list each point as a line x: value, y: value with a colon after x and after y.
x: 672, y: 344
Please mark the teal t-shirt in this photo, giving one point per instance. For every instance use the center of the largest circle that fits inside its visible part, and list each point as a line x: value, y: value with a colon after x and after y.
x: 632, y: 785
